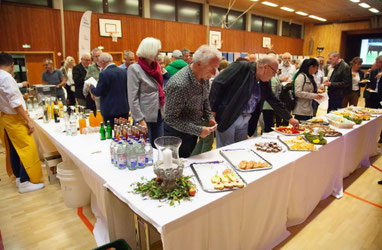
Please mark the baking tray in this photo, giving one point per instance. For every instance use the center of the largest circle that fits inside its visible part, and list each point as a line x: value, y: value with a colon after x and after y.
x: 297, y: 150
x: 235, y: 156
x: 325, y: 124
x: 281, y: 133
x: 204, y: 171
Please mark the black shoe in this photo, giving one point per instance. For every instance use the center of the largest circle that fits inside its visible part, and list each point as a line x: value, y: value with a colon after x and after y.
x: 380, y: 182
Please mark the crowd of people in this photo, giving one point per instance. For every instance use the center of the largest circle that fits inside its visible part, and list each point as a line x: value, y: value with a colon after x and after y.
x: 192, y: 96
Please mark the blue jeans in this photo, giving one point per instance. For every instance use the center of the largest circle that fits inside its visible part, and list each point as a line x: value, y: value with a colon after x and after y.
x: 17, y: 166
x: 155, y: 129
x: 238, y: 131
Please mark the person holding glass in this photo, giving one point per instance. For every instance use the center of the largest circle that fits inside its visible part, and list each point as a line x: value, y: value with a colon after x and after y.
x: 351, y: 98
x: 305, y: 89
x: 145, y: 88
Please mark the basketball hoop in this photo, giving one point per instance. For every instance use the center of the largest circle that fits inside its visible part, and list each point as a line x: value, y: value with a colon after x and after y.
x: 114, y: 36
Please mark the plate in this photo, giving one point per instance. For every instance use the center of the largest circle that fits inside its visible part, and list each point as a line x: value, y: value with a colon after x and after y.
x: 236, y: 156
x: 293, y: 146
x: 287, y: 129
x: 204, y: 171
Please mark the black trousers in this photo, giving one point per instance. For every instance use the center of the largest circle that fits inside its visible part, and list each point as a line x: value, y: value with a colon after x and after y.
x: 302, y: 117
x: 268, y: 120
x: 188, y: 141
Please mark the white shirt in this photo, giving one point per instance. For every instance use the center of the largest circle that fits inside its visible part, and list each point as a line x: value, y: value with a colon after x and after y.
x: 355, y: 80
x: 69, y: 74
x: 10, y: 95
x: 287, y: 71
x: 318, y: 78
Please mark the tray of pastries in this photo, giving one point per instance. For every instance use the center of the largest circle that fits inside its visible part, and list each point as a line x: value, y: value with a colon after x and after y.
x: 269, y: 147
x: 290, y: 130
x: 297, y: 143
x: 217, y: 176
x: 245, y: 160
x: 325, y: 129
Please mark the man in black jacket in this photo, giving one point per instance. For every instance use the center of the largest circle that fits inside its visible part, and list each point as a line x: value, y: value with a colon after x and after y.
x: 79, y: 73
x: 237, y: 96
x: 374, y: 87
x: 339, y: 80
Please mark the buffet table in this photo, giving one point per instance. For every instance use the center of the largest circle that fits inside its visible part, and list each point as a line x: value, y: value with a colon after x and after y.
x: 254, y: 217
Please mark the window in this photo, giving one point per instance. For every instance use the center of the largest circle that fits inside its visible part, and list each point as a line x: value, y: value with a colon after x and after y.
x: 93, y: 5
x: 217, y: 16
x: 263, y: 25
x: 129, y: 7
x: 163, y: 9
x: 292, y: 30
x: 232, y: 20
x: 46, y: 3
x: 189, y: 12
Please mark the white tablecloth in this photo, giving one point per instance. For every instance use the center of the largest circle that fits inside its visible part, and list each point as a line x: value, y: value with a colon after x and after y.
x: 255, y: 217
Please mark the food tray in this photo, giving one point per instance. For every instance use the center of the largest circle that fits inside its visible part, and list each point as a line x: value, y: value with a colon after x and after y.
x: 322, y: 128
x: 274, y: 129
x: 287, y: 138
x: 235, y: 156
x: 346, y: 125
x: 204, y: 171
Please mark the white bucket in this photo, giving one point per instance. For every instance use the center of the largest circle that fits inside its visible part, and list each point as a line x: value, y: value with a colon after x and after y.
x: 74, y: 189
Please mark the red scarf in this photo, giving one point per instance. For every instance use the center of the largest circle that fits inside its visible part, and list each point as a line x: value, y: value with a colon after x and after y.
x: 154, y: 71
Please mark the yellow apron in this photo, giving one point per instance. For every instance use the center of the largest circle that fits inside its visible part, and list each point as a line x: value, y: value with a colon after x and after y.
x: 23, y: 143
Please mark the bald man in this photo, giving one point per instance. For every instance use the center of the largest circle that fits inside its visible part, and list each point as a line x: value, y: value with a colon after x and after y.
x: 237, y: 96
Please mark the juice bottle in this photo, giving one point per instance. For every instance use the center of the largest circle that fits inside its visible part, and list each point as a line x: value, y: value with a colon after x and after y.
x: 60, y: 107
x: 99, y: 118
x: 52, y: 111
x: 82, y: 123
x: 92, y: 120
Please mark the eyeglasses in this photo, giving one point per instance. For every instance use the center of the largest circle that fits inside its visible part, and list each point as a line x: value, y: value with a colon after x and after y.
x: 273, y: 70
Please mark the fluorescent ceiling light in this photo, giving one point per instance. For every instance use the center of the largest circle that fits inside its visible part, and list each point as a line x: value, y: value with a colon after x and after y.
x: 354, y: 1
x: 254, y: 0
x: 364, y: 5
x: 317, y: 18
x: 287, y: 9
x: 301, y: 13
x: 269, y: 4
x: 374, y: 10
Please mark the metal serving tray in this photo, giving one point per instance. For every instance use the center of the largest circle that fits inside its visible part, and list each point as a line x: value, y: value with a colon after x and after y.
x: 297, y: 150
x: 235, y: 156
x: 204, y: 171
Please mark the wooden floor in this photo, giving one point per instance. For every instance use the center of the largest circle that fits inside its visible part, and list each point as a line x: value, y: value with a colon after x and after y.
x: 40, y: 220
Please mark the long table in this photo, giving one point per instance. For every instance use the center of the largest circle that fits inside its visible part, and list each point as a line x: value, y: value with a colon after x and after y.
x: 254, y: 217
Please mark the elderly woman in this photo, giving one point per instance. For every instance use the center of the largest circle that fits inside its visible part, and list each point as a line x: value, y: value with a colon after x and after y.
x: 145, y: 88
x: 67, y: 71
x: 305, y: 90
x: 351, y: 98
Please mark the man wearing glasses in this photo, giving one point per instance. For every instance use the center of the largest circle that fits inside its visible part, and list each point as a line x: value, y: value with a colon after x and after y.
x: 237, y: 96
x: 54, y: 76
x: 79, y: 73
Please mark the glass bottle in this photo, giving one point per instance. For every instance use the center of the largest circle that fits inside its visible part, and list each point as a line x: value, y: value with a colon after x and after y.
x: 102, y: 132
x: 108, y: 130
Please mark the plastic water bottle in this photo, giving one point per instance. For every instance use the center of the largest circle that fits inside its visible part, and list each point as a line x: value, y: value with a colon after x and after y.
x: 73, y: 125
x: 29, y: 105
x: 132, y: 157
x: 112, y: 150
x: 121, y: 154
x: 140, y: 151
x: 149, y: 153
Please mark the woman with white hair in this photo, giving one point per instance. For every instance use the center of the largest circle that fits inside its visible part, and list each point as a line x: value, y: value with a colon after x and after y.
x: 145, y: 88
x: 67, y: 71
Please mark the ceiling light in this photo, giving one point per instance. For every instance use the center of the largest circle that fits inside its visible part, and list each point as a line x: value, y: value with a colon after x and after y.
x: 269, y: 4
x: 301, y: 13
x: 354, y: 1
x: 254, y: 0
x: 364, y: 5
x: 287, y: 9
x: 317, y: 18
x: 374, y: 10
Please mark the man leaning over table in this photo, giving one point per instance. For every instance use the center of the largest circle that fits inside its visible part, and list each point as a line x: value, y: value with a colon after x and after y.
x: 186, y: 100
x: 16, y: 128
x: 237, y: 96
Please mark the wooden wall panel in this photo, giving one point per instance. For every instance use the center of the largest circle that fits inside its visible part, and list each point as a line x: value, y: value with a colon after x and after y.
x: 41, y: 28
x: 328, y: 36
x: 38, y: 27
x: 34, y: 66
x: 252, y: 42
